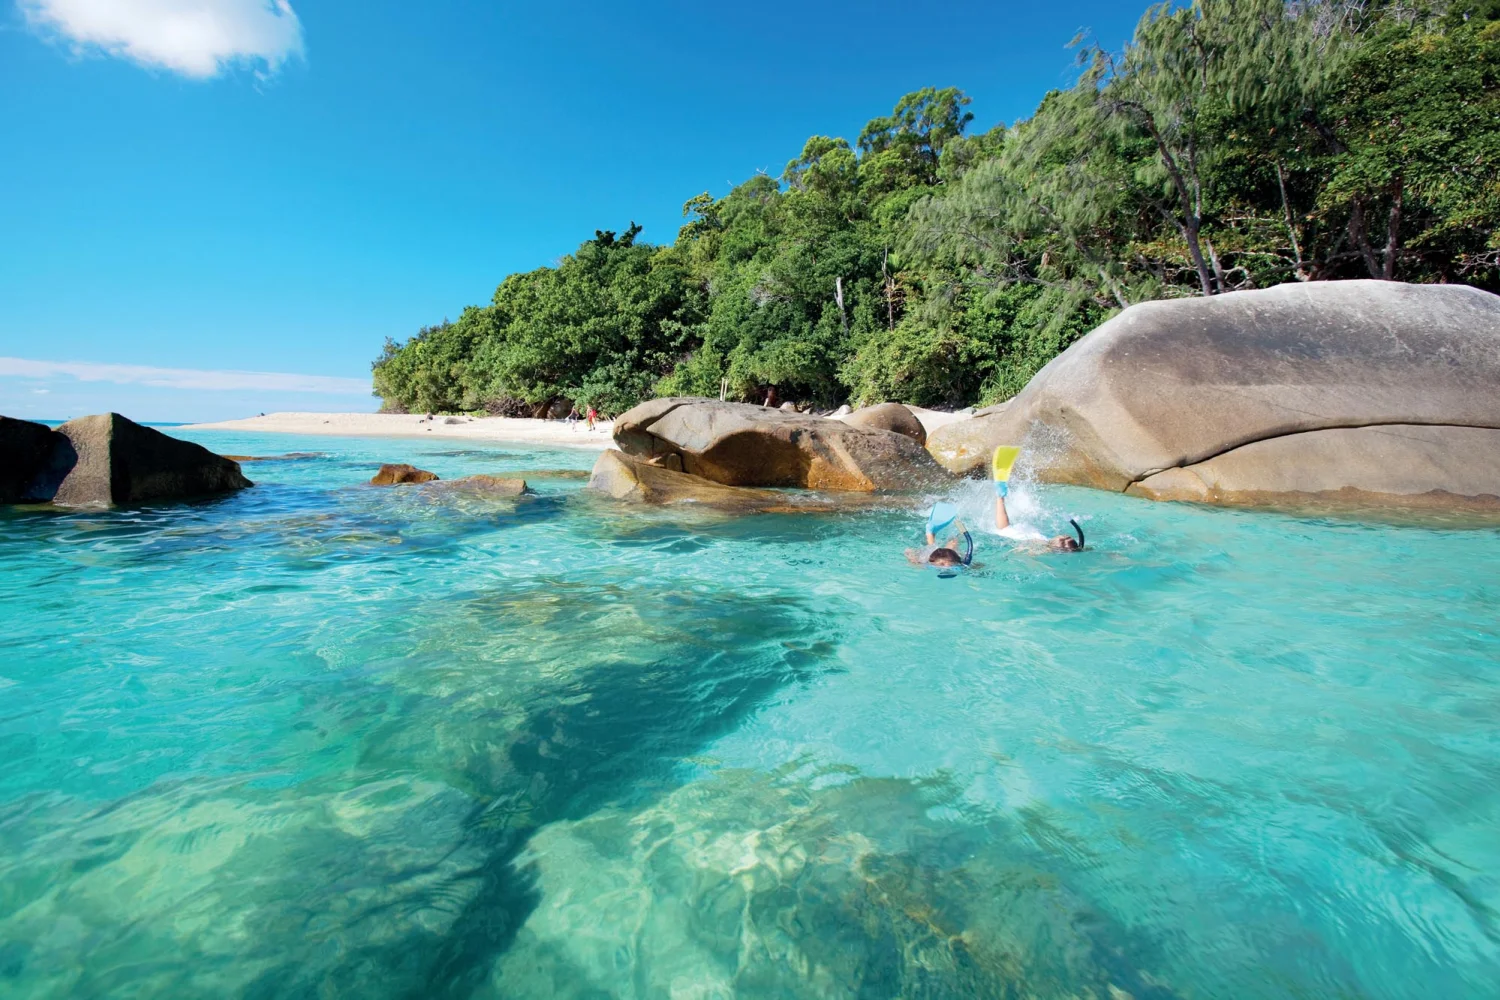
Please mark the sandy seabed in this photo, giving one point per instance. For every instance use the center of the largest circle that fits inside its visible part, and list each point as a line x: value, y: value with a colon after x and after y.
x: 556, y: 433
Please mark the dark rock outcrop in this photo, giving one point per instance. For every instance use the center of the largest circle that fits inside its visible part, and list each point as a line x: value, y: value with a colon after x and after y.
x: 1365, y: 388
x: 34, y: 459
x: 889, y: 417
x: 401, y: 473
x: 740, y: 444
x: 116, y: 460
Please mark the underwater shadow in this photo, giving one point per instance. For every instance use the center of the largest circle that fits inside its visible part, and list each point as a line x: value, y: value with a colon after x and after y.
x: 616, y: 732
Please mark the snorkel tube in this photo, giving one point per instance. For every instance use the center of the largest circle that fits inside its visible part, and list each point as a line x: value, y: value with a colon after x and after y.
x: 1078, y: 529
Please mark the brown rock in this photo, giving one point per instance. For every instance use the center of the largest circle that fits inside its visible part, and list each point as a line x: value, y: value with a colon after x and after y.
x: 1374, y: 387
x: 395, y: 475
x: 33, y: 461
x: 628, y: 478
x: 889, y: 417
x: 633, y: 479
x: 739, y: 444
x: 486, y: 486
x: 120, y: 461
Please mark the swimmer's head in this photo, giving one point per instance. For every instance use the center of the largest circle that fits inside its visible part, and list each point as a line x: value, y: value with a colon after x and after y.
x: 1067, y: 543
x: 945, y: 557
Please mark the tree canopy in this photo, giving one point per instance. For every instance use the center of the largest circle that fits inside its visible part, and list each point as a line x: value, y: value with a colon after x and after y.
x: 1233, y: 144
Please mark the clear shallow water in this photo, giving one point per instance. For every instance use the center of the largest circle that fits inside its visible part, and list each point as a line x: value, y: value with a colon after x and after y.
x: 325, y: 740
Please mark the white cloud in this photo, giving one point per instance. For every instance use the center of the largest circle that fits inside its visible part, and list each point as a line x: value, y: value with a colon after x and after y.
x: 193, y: 37
x: 184, y: 378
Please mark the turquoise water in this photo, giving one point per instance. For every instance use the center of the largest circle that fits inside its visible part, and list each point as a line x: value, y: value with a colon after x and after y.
x: 321, y: 739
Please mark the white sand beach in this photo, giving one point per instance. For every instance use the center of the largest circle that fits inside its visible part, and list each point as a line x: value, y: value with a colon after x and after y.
x: 511, y: 429
x: 517, y: 430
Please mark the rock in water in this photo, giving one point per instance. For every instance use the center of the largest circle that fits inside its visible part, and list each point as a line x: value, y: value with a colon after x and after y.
x: 889, y: 417
x: 33, y: 461
x: 1371, y: 390
x: 740, y: 444
x: 490, y: 487
x: 627, y: 478
x: 395, y: 475
x: 634, y: 479
x: 119, y: 461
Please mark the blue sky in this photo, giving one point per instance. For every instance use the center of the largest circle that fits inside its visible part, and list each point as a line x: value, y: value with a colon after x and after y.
x: 196, y: 189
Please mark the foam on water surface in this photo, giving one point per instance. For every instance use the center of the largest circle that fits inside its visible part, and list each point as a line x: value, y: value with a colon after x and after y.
x: 323, y: 739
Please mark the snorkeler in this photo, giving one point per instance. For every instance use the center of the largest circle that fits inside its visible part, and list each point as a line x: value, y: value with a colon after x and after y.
x: 1004, y: 461
x: 956, y: 552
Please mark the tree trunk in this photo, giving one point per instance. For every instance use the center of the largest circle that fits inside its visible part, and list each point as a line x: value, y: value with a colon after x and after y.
x: 1393, y: 230
x: 838, y: 296
x: 1213, y: 258
x: 1291, y: 229
x: 1190, y: 233
x: 1191, y: 221
x: 890, y: 307
x: 1361, y: 237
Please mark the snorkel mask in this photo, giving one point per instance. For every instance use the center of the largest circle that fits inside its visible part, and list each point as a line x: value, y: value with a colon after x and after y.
x: 965, y: 557
x: 942, y: 517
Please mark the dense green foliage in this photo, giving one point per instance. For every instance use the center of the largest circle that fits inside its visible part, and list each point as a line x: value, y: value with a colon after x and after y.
x: 1234, y: 144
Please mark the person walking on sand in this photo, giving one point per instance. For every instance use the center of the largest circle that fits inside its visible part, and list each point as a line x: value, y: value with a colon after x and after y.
x: 573, y: 417
x: 593, y: 416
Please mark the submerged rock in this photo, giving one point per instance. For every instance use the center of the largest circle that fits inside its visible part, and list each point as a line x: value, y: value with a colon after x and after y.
x: 485, y: 486
x: 739, y: 444
x: 395, y: 475
x: 743, y: 885
x: 1367, y: 389
x: 889, y: 417
x: 33, y: 461
x: 291, y: 456
x: 628, y: 478
x: 553, y: 474
x: 116, y: 460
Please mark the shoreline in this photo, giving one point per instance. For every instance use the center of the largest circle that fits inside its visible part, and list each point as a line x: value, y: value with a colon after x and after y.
x: 509, y: 430
x: 512, y: 430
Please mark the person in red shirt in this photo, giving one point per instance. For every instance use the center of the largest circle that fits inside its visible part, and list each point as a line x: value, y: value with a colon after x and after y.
x: 593, y: 415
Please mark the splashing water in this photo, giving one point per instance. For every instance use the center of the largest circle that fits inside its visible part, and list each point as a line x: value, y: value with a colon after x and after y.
x: 323, y: 739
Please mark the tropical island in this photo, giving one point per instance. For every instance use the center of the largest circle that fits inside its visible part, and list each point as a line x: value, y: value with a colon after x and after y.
x: 1229, y: 147
x: 846, y: 654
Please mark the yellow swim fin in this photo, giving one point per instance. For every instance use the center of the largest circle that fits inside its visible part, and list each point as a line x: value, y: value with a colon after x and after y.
x: 1005, y: 459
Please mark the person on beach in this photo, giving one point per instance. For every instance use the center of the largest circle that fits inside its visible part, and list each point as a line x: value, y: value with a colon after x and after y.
x: 593, y: 416
x: 573, y: 417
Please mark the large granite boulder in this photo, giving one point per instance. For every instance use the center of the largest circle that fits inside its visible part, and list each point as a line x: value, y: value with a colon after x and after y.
x: 33, y: 461
x: 116, y: 460
x: 628, y: 478
x: 889, y: 417
x: 1368, y: 389
x: 740, y: 444
x: 637, y: 480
